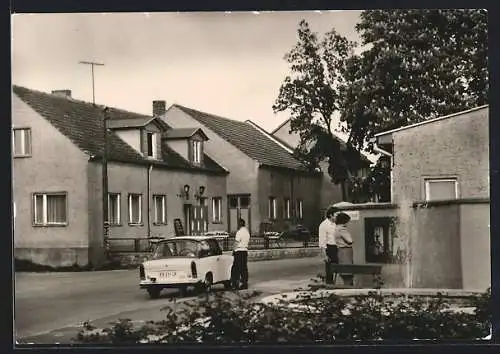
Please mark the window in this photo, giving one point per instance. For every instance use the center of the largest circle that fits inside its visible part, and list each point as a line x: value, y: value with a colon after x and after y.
x: 216, y: 210
x: 50, y: 209
x: 299, y: 209
x: 379, y: 239
x: 245, y: 202
x: 152, y: 148
x: 114, y: 210
x: 215, y: 248
x: 441, y: 189
x: 287, y: 211
x: 197, y: 150
x: 135, y: 208
x: 233, y: 202
x: 272, y: 208
x: 160, y: 209
x: 21, y: 141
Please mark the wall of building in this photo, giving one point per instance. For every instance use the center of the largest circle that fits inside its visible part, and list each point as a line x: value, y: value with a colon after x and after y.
x: 330, y: 193
x: 131, y: 137
x: 449, y: 243
x: 454, y: 147
x: 180, y: 146
x: 283, y: 133
x: 435, y: 247
x: 475, y: 237
x: 242, y: 178
x: 46, y: 171
x: 126, y: 178
x: 393, y: 275
x: 288, y: 184
x: 97, y: 253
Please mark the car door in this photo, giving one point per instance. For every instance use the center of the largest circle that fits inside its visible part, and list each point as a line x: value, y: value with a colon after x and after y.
x: 219, y: 269
x: 207, y: 260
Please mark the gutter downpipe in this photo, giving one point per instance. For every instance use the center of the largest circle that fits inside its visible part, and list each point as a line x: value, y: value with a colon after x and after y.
x: 381, y: 151
x: 150, y: 168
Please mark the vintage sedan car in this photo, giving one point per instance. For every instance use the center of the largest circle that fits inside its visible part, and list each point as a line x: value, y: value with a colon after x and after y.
x: 180, y: 262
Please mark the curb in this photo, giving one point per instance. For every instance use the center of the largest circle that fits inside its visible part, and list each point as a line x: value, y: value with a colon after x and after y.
x: 127, y: 259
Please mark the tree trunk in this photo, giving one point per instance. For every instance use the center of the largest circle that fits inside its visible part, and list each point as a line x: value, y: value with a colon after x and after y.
x: 343, y: 187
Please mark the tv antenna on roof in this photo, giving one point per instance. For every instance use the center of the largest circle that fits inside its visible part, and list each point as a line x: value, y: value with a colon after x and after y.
x: 92, y: 64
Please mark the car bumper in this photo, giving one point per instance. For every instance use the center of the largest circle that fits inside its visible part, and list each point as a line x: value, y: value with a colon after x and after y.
x: 146, y: 284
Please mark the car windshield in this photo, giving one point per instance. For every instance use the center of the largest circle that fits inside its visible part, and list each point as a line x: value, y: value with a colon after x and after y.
x: 177, y: 248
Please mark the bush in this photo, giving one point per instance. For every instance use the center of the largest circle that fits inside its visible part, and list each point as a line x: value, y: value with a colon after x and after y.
x: 232, y: 318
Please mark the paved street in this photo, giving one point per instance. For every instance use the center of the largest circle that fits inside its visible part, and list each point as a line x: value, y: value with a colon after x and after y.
x: 49, y: 307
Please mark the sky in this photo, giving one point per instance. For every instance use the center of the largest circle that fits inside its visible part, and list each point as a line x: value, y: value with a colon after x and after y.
x: 229, y: 64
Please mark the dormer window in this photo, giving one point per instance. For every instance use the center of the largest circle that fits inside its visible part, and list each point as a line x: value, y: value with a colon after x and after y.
x: 197, y: 151
x: 152, y: 145
x: 187, y: 142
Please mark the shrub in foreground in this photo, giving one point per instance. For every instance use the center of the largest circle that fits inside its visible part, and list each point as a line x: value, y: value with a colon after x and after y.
x: 225, y: 318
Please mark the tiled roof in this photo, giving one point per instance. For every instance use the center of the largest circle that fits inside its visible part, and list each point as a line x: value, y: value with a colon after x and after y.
x: 246, y: 138
x: 343, y: 144
x: 181, y: 133
x: 129, y: 123
x: 82, y: 123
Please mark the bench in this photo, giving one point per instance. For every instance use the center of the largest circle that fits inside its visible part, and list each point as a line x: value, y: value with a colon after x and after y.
x: 365, y: 269
x: 275, y: 237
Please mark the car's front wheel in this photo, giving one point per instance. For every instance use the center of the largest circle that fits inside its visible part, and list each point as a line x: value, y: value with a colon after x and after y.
x: 154, y: 293
x: 228, y: 285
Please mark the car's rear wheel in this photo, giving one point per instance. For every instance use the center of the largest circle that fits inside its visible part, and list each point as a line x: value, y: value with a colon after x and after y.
x: 154, y: 293
x: 208, y: 283
x: 183, y: 291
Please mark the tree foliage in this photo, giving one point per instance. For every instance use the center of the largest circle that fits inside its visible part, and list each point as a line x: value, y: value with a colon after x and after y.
x: 414, y: 65
x: 419, y: 64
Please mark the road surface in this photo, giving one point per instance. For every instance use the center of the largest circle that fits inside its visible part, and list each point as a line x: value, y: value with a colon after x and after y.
x: 49, y: 307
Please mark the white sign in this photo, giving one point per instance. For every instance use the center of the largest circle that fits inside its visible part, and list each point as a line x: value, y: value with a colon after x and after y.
x: 354, y: 214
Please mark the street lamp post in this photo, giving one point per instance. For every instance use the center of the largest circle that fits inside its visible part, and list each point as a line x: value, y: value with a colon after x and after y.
x: 105, y: 216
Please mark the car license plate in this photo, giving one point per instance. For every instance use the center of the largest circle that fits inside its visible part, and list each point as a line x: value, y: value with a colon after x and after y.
x: 169, y: 274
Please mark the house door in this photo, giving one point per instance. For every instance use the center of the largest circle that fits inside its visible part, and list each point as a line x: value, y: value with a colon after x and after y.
x: 239, y: 207
x: 187, y: 218
x: 199, y: 218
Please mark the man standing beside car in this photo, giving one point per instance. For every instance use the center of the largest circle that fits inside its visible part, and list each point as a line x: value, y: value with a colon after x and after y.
x: 328, y: 244
x: 240, y: 254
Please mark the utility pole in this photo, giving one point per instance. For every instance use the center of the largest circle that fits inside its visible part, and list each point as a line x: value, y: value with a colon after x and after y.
x: 105, y: 216
x: 92, y: 64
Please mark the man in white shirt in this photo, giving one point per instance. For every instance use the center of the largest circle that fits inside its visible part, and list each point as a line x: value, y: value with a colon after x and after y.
x: 327, y: 243
x: 240, y: 254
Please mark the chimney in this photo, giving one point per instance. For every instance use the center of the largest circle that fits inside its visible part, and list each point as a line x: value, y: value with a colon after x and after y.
x: 62, y: 93
x: 159, y: 108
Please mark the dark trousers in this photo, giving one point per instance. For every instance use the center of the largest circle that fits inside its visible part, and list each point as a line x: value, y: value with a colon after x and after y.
x: 239, y: 270
x: 333, y: 257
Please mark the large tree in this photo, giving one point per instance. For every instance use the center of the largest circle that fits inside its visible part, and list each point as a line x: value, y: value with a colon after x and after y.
x: 310, y: 94
x: 416, y: 65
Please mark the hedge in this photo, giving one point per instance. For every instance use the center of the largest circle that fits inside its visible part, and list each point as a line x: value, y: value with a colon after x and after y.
x: 239, y: 318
